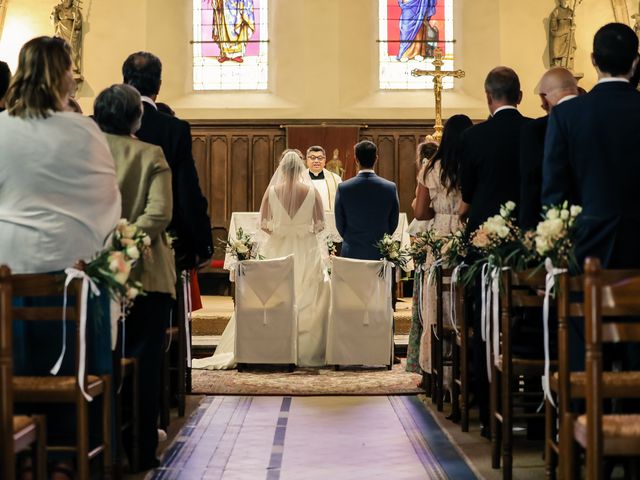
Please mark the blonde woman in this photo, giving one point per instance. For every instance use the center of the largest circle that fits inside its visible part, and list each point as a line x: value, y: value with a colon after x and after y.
x: 59, y: 200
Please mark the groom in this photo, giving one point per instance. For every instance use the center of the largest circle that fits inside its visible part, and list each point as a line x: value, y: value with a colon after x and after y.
x: 366, y: 207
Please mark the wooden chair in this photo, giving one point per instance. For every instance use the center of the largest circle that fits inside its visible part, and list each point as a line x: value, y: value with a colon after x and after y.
x: 460, y: 359
x: 17, y: 432
x: 567, y: 386
x: 518, y: 291
x: 64, y: 389
x: 606, y: 435
x: 439, y: 333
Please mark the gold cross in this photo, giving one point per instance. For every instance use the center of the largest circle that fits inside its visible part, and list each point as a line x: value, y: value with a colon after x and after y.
x: 438, y: 74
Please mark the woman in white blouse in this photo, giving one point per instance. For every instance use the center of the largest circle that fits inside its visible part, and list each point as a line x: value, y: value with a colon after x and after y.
x: 59, y: 195
x: 59, y: 199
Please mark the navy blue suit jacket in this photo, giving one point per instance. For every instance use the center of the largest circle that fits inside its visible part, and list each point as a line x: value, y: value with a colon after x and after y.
x: 366, y: 208
x: 592, y: 158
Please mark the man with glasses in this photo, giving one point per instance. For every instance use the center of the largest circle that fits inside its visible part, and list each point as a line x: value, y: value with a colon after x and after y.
x: 324, y: 181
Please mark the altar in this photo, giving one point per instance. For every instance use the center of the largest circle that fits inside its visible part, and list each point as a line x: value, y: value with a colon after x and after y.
x: 249, y: 222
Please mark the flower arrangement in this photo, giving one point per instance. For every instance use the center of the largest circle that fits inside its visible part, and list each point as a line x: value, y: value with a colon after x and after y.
x: 553, y: 236
x: 112, y: 266
x: 425, y: 243
x: 243, y: 247
x: 391, y: 251
x: 455, y: 247
x: 500, y: 243
x: 332, y: 250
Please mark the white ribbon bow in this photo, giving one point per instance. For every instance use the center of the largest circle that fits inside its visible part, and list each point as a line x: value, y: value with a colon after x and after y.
x: 73, y: 273
x: 432, y: 271
x: 455, y: 274
x: 548, y: 287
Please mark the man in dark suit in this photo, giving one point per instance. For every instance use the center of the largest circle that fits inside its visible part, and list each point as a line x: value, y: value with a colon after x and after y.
x: 557, y: 86
x: 190, y: 223
x: 591, y: 154
x: 489, y: 177
x: 366, y: 207
x: 591, y: 159
x: 489, y: 151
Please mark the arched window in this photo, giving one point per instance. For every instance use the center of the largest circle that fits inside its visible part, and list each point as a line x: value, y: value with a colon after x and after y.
x: 409, y: 31
x: 230, y: 44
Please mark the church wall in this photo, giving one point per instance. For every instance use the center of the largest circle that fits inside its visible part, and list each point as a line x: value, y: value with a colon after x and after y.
x: 323, y: 62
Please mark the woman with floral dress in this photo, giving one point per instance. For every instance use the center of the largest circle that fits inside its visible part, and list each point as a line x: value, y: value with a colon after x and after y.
x: 437, y: 200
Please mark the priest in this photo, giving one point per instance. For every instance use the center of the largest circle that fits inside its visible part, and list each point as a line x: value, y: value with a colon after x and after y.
x: 325, y: 182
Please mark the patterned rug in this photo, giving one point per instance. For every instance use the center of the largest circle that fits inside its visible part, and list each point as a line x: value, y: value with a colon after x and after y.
x: 307, y: 381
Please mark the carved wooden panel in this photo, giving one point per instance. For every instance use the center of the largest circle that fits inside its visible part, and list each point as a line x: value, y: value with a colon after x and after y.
x: 262, y: 169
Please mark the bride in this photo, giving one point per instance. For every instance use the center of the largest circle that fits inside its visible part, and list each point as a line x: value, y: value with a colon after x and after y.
x: 292, y: 218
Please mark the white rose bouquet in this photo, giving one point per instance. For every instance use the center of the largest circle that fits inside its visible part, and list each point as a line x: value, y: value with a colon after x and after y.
x: 554, y: 235
x: 112, y: 266
x: 242, y: 247
x: 501, y: 243
x: 391, y: 251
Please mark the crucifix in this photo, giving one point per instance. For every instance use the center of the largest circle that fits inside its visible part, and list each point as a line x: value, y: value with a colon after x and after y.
x: 438, y: 74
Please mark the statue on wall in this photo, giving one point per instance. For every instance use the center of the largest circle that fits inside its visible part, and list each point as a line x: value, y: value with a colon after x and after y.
x: 67, y: 24
x: 335, y: 164
x: 636, y: 24
x: 562, y: 27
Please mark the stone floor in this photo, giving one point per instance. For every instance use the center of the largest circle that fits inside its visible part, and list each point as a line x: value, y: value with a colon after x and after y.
x: 309, y: 438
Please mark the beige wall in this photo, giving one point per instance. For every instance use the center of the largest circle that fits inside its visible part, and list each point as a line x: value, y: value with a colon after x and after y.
x: 323, y: 62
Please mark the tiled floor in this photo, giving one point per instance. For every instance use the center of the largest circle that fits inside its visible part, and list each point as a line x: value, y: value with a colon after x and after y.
x: 305, y: 438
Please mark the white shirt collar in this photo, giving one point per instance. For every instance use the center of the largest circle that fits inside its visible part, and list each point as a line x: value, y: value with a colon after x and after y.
x: 564, y: 99
x: 613, y: 79
x: 506, y: 107
x: 149, y: 101
x: 367, y: 170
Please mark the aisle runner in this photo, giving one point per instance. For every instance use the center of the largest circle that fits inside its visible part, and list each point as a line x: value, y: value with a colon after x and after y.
x: 307, y: 381
x: 294, y: 438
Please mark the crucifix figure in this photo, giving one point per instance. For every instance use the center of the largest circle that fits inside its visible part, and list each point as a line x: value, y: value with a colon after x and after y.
x: 438, y: 74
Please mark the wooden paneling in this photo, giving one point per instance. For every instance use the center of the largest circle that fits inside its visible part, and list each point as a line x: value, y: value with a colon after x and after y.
x: 235, y: 161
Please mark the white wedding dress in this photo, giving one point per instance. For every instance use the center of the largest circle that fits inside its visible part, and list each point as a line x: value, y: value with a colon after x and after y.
x: 294, y: 229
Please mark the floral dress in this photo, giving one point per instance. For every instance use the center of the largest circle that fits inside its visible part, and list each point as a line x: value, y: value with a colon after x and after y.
x: 446, y: 220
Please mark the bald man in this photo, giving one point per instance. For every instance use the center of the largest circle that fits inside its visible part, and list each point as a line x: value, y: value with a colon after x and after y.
x: 556, y: 86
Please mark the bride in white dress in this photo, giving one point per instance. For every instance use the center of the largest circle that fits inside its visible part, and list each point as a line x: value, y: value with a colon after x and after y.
x: 292, y: 216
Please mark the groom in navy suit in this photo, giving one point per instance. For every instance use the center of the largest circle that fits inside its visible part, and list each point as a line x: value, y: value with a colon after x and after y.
x: 366, y: 207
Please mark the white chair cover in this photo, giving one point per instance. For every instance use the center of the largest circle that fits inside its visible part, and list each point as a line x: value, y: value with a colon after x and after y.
x: 360, y: 330
x: 265, y: 311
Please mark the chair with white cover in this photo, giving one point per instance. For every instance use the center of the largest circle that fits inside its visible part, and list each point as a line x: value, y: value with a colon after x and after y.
x: 360, y: 330
x: 265, y: 312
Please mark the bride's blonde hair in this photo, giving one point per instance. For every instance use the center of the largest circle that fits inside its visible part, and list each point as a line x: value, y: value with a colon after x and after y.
x: 291, y: 164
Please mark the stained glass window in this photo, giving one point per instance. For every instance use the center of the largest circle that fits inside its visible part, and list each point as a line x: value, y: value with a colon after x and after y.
x: 230, y: 44
x: 409, y: 32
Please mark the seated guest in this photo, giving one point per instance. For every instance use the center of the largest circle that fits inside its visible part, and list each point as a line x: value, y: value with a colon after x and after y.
x: 59, y: 200
x: 5, y: 78
x: 324, y: 181
x: 437, y: 200
x: 144, y: 179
